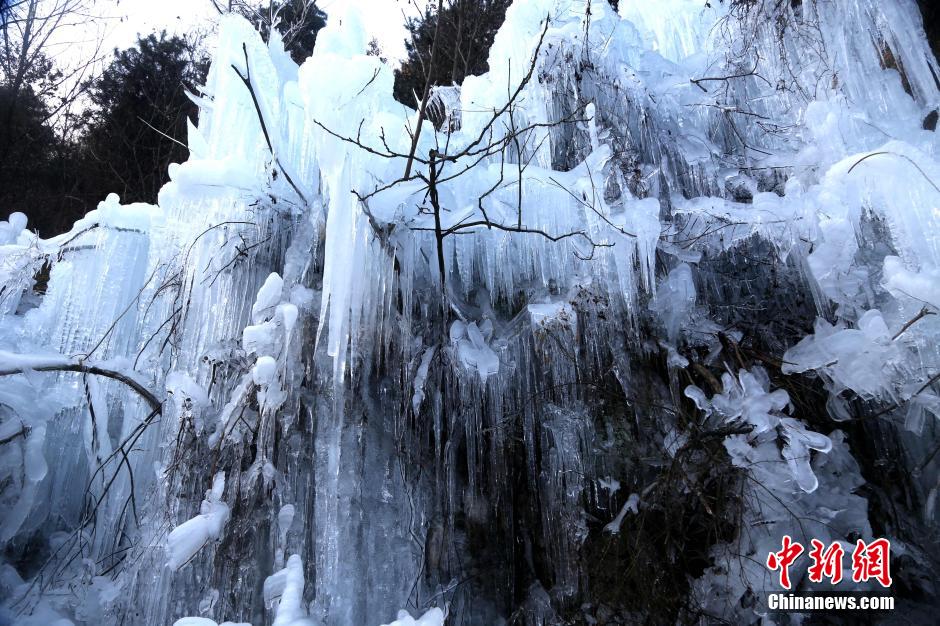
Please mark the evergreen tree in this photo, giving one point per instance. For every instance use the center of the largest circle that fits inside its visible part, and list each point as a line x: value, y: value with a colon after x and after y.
x: 27, y: 149
x: 297, y: 21
x: 467, y: 28
x: 32, y: 153
x: 137, y: 124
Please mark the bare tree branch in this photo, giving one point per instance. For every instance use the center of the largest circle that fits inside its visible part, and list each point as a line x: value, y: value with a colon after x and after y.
x: 65, y: 364
x: 246, y: 78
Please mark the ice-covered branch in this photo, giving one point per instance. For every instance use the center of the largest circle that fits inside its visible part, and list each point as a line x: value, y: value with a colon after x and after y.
x: 11, y: 364
x: 185, y: 541
x: 246, y: 79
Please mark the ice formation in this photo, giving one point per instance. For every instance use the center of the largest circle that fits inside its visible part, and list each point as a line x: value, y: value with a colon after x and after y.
x: 188, y: 538
x: 693, y: 238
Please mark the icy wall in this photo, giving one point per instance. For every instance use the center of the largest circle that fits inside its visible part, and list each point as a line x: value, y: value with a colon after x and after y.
x: 691, y: 274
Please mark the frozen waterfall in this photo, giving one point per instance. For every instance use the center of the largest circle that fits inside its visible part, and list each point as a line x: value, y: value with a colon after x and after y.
x: 691, y: 277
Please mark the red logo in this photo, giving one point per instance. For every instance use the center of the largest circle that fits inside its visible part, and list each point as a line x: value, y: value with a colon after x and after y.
x: 869, y: 561
x: 784, y: 559
x: 872, y: 561
x: 826, y: 563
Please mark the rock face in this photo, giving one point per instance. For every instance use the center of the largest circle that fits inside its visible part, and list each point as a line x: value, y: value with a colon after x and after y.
x: 930, y: 121
x: 687, y: 307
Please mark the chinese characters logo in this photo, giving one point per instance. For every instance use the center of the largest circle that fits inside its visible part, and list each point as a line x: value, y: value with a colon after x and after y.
x: 870, y: 561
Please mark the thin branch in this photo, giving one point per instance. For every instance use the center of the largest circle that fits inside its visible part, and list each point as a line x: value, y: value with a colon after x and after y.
x: 22, y: 432
x: 356, y: 142
x: 906, y: 158
x: 496, y: 115
x: 68, y: 365
x: 924, y: 312
x: 160, y: 132
x: 422, y: 110
x: 246, y: 78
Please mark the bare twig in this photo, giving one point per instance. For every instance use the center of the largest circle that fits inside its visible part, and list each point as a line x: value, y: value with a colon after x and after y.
x: 422, y: 109
x: 246, y: 78
x: 924, y: 312
x: 906, y: 158
x: 89, y: 368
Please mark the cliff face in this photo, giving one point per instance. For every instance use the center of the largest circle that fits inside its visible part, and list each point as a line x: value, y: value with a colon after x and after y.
x: 690, y: 275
